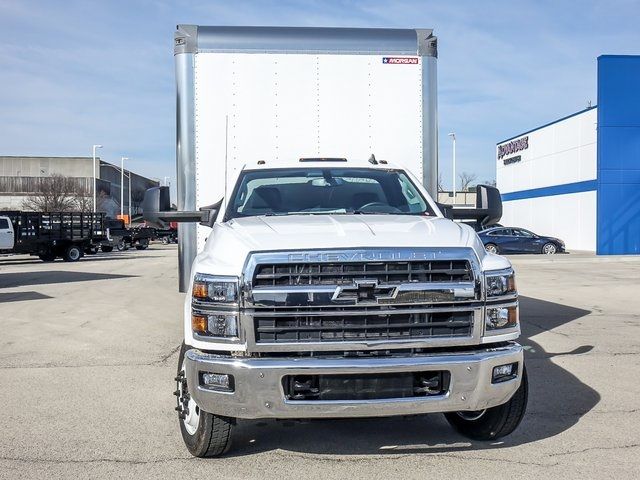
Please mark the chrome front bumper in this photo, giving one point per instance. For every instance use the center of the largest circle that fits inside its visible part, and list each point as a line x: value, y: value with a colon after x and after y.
x: 259, y: 392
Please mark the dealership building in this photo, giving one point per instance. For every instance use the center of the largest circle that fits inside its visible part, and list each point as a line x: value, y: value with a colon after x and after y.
x: 578, y: 178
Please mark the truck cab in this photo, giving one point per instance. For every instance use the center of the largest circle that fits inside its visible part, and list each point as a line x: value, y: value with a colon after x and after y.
x: 330, y: 288
x: 7, y: 236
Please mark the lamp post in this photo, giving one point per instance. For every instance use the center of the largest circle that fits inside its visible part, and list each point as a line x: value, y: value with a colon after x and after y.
x: 94, y: 177
x: 453, y: 137
x: 122, y: 159
x: 129, y: 175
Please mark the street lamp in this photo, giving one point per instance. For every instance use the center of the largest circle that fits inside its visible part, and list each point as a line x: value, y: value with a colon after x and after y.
x: 94, y: 176
x: 453, y: 137
x: 122, y: 159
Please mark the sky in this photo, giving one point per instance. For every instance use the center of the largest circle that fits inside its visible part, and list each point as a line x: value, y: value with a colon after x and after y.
x: 78, y: 73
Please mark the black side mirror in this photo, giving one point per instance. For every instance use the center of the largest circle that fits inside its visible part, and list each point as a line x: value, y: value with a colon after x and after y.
x: 156, y: 209
x: 488, y: 208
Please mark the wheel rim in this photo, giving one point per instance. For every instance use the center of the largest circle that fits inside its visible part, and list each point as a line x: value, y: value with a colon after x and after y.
x: 74, y: 253
x: 188, y: 410
x: 491, y: 249
x: 472, y: 415
x: 549, y: 249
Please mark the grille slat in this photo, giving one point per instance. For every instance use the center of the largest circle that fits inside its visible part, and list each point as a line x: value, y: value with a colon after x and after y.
x: 366, y: 326
x: 392, y: 272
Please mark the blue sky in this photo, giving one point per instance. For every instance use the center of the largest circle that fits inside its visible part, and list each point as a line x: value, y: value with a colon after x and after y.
x: 75, y: 73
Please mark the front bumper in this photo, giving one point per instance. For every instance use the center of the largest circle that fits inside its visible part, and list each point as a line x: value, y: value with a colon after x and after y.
x: 259, y: 392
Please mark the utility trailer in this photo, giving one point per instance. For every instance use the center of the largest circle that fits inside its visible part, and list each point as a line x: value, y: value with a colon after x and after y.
x: 68, y: 235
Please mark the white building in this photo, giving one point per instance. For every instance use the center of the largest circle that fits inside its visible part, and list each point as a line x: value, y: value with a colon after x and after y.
x: 578, y: 178
x: 547, y: 178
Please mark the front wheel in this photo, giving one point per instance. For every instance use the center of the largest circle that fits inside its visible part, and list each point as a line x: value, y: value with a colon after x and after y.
x: 491, y: 248
x: 204, y: 434
x: 106, y: 248
x: 549, y: 249
x: 493, y: 422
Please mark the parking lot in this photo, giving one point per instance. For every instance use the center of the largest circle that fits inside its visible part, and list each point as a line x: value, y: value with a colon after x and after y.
x: 88, y: 353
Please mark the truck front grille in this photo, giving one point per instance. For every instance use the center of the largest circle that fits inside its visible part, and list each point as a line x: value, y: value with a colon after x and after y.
x: 385, y: 272
x: 345, y: 326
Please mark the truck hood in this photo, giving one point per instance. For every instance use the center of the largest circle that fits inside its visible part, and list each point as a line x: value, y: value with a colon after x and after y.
x: 229, y: 243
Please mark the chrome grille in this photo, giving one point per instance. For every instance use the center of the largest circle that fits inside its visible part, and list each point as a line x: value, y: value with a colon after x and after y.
x: 385, y: 272
x: 340, y: 325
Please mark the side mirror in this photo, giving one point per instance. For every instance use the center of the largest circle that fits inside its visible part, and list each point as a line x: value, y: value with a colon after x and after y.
x: 156, y: 209
x: 488, y: 208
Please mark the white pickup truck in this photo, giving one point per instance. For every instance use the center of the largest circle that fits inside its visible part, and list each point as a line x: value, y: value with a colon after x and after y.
x: 327, y: 287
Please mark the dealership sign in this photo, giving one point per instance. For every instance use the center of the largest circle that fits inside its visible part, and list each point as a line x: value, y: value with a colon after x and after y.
x: 512, y: 147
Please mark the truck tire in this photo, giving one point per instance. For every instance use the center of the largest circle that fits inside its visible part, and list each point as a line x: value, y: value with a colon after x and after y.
x: 106, y: 248
x: 121, y: 246
x: 47, y: 257
x: 72, y: 253
x: 141, y: 247
x: 165, y: 241
x: 204, y: 434
x: 493, y: 422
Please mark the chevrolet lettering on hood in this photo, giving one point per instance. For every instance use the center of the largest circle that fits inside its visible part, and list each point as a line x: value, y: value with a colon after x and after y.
x: 360, y: 256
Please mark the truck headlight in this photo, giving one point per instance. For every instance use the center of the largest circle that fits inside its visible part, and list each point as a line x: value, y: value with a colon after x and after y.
x: 215, y: 289
x: 501, y: 317
x: 500, y: 282
x: 219, y: 324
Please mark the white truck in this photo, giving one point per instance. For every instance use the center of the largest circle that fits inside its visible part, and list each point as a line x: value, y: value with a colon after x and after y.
x: 328, y: 282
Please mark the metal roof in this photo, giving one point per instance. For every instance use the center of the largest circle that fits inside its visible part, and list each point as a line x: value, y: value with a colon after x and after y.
x: 311, y: 40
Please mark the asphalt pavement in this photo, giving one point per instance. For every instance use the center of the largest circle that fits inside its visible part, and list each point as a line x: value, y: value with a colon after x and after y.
x: 88, y: 353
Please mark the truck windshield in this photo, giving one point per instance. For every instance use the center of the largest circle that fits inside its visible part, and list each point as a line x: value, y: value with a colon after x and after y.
x: 325, y: 191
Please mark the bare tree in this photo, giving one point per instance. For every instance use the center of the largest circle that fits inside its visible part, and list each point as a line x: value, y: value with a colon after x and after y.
x: 59, y: 193
x: 440, y: 184
x: 491, y: 183
x: 82, y: 199
x: 466, y: 179
x: 55, y: 194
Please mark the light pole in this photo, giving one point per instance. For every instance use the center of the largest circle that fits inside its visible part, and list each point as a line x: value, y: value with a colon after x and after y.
x: 129, y: 175
x: 122, y: 159
x: 94, y: 177
x: 453, y: 137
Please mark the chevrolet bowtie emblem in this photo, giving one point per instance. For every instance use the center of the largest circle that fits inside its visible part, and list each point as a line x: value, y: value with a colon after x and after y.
x: 363, y: 291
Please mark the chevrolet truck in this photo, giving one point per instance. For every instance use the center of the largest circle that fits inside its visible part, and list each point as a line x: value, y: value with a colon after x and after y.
x: 322, y: 281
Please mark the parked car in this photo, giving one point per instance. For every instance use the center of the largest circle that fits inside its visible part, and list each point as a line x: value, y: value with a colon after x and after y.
x: 518, y: 240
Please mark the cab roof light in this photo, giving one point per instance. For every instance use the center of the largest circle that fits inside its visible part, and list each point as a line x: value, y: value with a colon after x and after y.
x: 323, y: 159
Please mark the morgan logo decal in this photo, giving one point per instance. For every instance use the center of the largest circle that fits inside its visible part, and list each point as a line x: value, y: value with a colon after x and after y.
x: 400, y: 60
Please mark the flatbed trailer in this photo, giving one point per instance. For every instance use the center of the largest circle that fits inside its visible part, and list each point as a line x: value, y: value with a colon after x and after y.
x: 49, y: 235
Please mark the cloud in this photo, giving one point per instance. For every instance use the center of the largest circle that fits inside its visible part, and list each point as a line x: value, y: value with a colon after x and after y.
x: 76, y: 73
